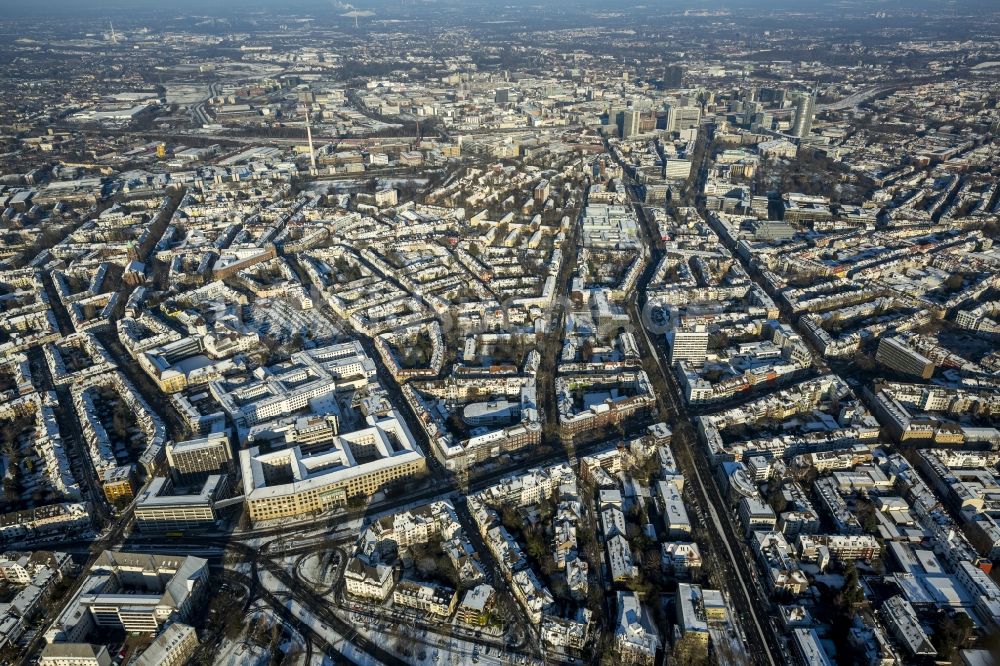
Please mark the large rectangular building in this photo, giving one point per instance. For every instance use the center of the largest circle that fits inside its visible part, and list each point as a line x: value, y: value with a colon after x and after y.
x: 196, y: 459
x: 676, y: 169
x: 901, y: 618
x: 689, y: 345
x: 137, y: 592
x: 158, y: 509
x: 897, y: 355
x: 691, y: 612
x: 289, y: 482
x: 285, y: 390
x: 682, y: 117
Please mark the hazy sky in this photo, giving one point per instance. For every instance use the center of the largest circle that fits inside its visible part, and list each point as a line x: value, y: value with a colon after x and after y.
x: 137, y: 9
x: 206, y: 6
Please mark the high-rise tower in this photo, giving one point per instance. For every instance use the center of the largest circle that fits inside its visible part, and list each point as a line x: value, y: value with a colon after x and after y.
x: 805, y: 108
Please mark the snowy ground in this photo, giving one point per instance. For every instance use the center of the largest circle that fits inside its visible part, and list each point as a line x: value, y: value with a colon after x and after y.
x: 435, y: 649
x: 281, y: 320
x: 429, y: 649
x: 452, y: 651
x: 344, y: 527
x: 239, y: 653
x: 384, y: 183
x: 272, y: 584
x: 727, y: 645
x: 244, y: 568
x: 186, y: 93
x: 349, y: 650
x: 243, y: 652
x: 318, y: 568
x: 833, y: 580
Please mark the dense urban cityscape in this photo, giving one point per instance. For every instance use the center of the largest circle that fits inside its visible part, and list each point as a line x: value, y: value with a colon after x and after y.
x: 440, y: 332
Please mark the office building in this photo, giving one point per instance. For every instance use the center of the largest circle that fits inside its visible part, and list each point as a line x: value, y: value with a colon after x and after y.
x: 688, y: 345
x: 673, y: 76
x: 676, y: 169
x: 160, y: 509
x: 805, y: 108
x: 491, y: 413
x: 195, y: 460
x: 772, y: 230
x: 895, y: 354
x: 630, y: 123
x: 289, y: 482
x: 756, y: 515
x: 137, y: 592
x: 309, y: 378
x: 691, y: 612
x: 681, y: 118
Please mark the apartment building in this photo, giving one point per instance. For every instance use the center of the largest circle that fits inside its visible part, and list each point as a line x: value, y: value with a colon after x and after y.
x: 475, y: 607
x: 435, y: 600
x: 636, y: 639
x: 368, y: 582
x: 119, y: 483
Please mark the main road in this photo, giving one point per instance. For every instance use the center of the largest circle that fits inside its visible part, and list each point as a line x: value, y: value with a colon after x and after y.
x: 741, y: 580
